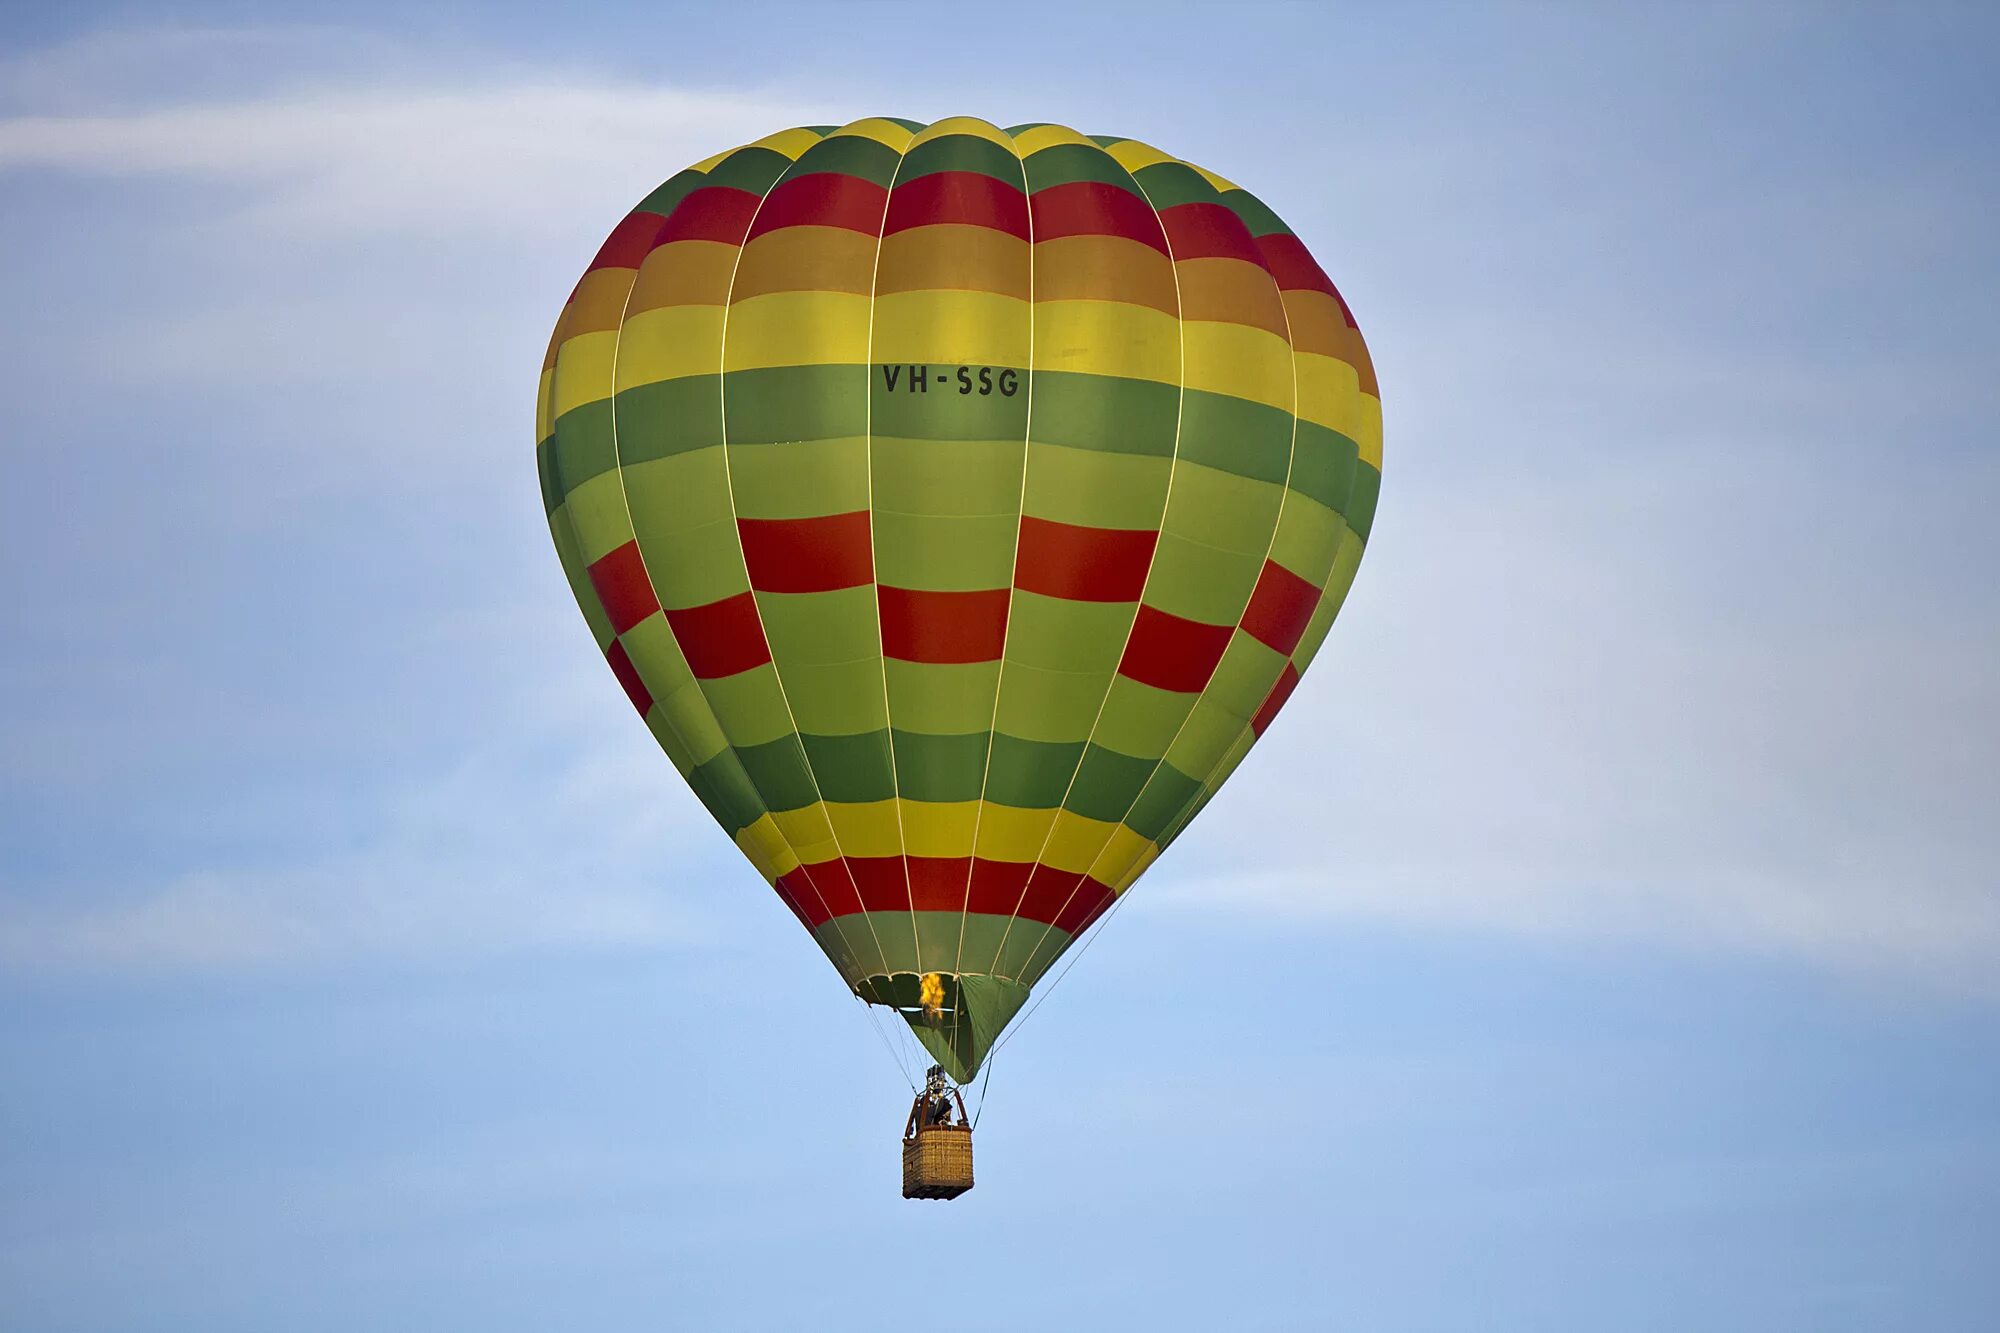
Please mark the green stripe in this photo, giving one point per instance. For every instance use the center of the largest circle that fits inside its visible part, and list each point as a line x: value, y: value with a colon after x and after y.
x: 849, y: 155
x: 961, y: 152
x: 1171, y: 183
x: 1067, y: 163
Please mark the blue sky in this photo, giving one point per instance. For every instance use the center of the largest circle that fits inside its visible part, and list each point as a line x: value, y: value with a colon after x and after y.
x: 1607, y: 938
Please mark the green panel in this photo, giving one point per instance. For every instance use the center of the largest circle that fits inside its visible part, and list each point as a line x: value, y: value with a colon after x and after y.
x: 803, y: 479
x: 939, y: 768
x: 778, y: 770
x: 821, y: 628
x: 785, y: 403
x: 677, y: 493
x: 941, y: 415
x: 1243, y: 677
x: 753, y: 169
x: 1200, y: 582
x: 1030, y: 775
x: 1139, y: 719
x: 850, y: 155
x: 1091, y: 488
x: 1219, y: 509
x: 668, y: 417
x: 1051, y: 705
x: 1323, y: 465
x: 956, y: 477
x: 961, y: 152
x: 942, y: 699
x: 1257, y: 219
x: 1063, y: 164
x: 1106, y: 412
x: 696, y: 566
x: 852, y: 769
x: 749, y: 706
x: 1236, y: 435
x: 945, y: 553
x: 1061, y: 635
x: 839, y: 699
x: 1166, y: 793
x: 583, y: 446
x: 1170, y: 183
x: 1107, y: 783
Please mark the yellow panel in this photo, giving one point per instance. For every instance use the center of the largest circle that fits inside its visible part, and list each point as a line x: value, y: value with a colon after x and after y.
x: 708, y: 164
x: 1048, y: 136
x: 791, y: 143
x: 966, y: 327
x: 1108, y: 338
x: 1238, y: 360
x: 1221, y: 186
x: 867, y: 828
x: 583, y: 370
x: 1074, y: 842
x: 886, y: 132
x: 544, y: 420
x: 805, y: 825
x: 938, y: 828
x: 952, y: 256
x: 767, y: 848
x: 1132, y: 155
x: 670, y: 342
x: 599, y: 301
x: 1105, y: 268
x: 971, y: 125
x: 1330, y: 395
x: 1125, y: 856
x: 1010, y: 833
x: 691, y: 272
x: 1231, y: 291
x: 805, y: 259
x: 797, y: 329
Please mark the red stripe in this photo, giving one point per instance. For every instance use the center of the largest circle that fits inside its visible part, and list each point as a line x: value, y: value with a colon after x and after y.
x: 1083, y: 564
x: 1170, y: 653
x: 822, y: 199
x: 721, y: 638
x: 1034, y: 893
x: 628, y: 676
x: 1092, y: 208
x: 1293, y: 265
x: 807, y: 554
x: 1209, y: 231
x: 957, y: 196
x: 922, y: 626
x: 1280, y: 608
x: 1288, y: 680
x: 623, y: 587
x: 628, y: 242
x: 712, y: 213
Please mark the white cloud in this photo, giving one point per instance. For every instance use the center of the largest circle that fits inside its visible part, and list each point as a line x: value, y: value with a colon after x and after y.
x: 498, y: 150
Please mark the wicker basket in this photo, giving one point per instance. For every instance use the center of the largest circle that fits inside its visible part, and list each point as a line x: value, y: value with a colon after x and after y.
x: 937, y: 1163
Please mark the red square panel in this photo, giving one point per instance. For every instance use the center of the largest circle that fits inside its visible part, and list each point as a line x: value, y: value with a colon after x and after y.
x: 623, y: 587
x: 807, y: 554
x: 721, y: 638
x: 1170, y: 653
x: 1083, y: 564
x: 1279, y: 608
x: 920, y: 626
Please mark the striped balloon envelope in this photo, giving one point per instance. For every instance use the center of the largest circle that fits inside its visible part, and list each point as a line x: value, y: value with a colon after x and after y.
x: 957, y: 506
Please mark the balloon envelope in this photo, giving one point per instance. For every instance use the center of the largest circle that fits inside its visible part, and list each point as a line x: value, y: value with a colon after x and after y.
x: 957, y: 506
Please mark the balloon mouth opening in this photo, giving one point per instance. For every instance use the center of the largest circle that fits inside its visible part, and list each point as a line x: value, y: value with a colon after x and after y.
x: 956, y: 1016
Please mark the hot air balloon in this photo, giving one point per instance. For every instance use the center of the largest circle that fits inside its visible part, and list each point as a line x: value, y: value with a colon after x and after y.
x: 957, y: 506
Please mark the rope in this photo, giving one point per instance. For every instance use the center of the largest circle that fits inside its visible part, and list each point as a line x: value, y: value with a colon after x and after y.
x: 1075, y: 956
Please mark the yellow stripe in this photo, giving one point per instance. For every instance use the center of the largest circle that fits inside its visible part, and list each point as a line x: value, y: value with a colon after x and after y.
x: 938, y: 828
x: 971, y: 125
x: 1238, y: 360
x: 1330, y: 395
x: 963, y: 327
x: 599, y: 301
x: 1132, y: 155
x: 767, y: 849
x: 805, y: 259
x: 797, y: 329
x: 670, y: 342
x: 790, y: 143
x: 885, y: 132
x: 804, y: 826
x: 1221, y: 186
x: 1107, y: 338
x: 690, y: 272
x: 583, y: 370
x: 1048, y: 136
x: 1075, y: 842
x: 544, y: 420
x: 866, y: 828
x: 1104, y: 268
x: 1009, y: 833
x: 708, y: 164
x: 951, y: 257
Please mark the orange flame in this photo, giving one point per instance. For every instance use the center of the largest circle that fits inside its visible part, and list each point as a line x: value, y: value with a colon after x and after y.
x: 931, y: 996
